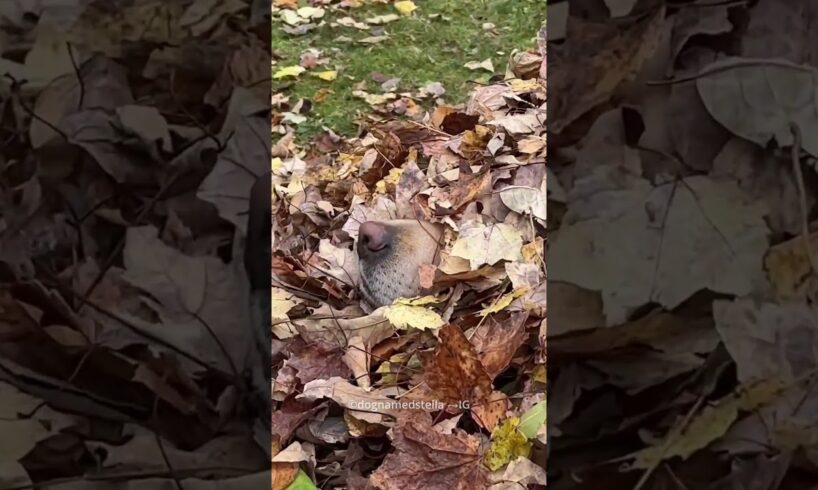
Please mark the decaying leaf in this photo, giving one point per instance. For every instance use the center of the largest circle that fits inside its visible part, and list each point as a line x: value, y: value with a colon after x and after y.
x: 507, y: 443
x: 425, y: 458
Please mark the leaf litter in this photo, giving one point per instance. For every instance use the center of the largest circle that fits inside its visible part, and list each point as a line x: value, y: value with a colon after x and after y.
x: 416, y: 389
x: 122, y: 253
x: 681, y: 245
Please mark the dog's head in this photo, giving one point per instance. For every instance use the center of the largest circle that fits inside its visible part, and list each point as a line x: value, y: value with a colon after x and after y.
x: 390, y: 254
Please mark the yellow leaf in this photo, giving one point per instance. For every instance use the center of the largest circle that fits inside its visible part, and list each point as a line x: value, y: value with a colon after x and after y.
x: 507, y: 443
x: 539, y: 374
x: 406, y: 316
x: 405, y: 7
x: 392, y: 178
x: 418, y: 301
x: 289, y: 71
x: 533, y: 252
x: 503, y: 302
x: 524, y: 86
x: 280, y: 303
x: 276, y: 165
x: 374, y: 99
x: 532, y: 420
x: 295, y: 186
x: 328, y: 75
x: 707, y: 426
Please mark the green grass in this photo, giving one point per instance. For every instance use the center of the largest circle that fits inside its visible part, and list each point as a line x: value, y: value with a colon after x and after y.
x: 431, y: 45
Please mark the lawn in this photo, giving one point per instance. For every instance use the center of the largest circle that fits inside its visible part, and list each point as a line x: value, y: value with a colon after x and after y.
x: 432, y: 44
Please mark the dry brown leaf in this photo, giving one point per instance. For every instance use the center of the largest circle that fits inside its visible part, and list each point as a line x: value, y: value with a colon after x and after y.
x: 607, y: 56
x: 425, y: 458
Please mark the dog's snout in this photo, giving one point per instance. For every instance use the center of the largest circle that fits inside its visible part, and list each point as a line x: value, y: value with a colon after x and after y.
x: 372, y: 236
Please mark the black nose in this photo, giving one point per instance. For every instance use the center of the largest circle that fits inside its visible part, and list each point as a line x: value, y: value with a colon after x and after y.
x: 373, y: 236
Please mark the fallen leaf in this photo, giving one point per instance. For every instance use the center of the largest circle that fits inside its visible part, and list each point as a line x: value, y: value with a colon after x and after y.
x: 454, y: 372
x: 310, y: 12
x: 699, y: 220
x: 382, y: 19
x: 532, y: 420
x: 405, y: 7
x: 302, y: 482
x: 350, y: 22
x: 781, y: 93
x: 403, y: 315
x: 289, y: 71
x: 507, y: 443
x: 712, y: 422
x: 525, y: 200
x: 373, y: 39
x: 328, y: 75
x: 502, y: 302
x: 481, y: 244
x: 425, y: 458
x: 520, y: 473
x: 481, y: 65
x: 290, y: 17
x: 609, y: 54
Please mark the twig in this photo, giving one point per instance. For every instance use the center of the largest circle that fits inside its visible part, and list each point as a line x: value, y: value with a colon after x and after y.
x: 802, y: 194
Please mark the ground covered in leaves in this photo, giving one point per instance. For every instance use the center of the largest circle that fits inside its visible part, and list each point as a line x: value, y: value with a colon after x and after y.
x: 442, y: 391
x: 682, y: 244
x: 355, y: 52
x: 131, y: 135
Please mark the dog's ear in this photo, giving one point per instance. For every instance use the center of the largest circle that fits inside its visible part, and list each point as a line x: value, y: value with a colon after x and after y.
x: 257, y: 247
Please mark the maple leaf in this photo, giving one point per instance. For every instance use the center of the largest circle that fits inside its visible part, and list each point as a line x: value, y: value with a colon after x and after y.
x: 455, y: 375
x: 316, y: 360
x: 425, y: 458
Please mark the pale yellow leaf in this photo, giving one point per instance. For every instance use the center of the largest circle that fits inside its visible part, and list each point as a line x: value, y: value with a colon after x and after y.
x: 405, y: 7
x: 486, y: 64
x: 408, y: 316
x: 280, y: 303
x: 328, y: 75
x: 503, y: 301
x: 707, y: 426
x: 289, y: 71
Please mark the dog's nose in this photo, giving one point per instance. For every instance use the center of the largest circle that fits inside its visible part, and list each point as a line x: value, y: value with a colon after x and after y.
x: 373, y: 236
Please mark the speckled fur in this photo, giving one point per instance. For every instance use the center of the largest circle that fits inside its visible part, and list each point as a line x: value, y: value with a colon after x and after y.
x: 393, y: 272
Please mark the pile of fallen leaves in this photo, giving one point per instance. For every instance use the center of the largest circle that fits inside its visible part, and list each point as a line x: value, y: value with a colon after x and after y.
x: 682, y: 245
x: 131, y: 134
x: 446, y: 390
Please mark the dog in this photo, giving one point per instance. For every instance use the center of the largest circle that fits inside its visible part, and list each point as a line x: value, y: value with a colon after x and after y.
x: 390, y: 254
